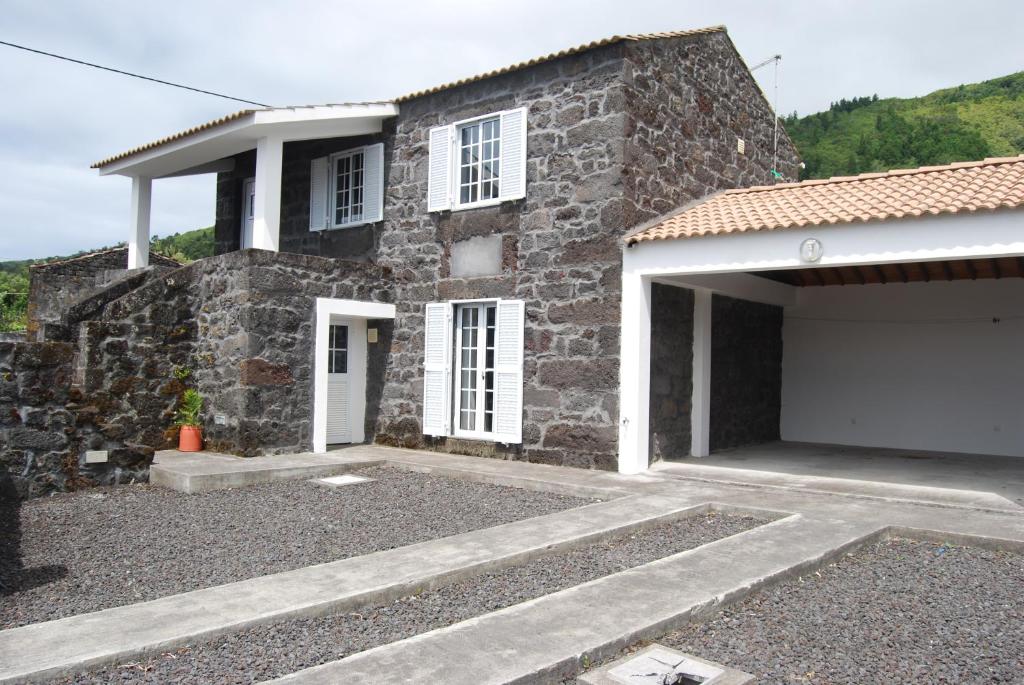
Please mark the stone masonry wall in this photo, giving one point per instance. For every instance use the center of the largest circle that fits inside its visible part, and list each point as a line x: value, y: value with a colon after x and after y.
x: 671, y: 371
x: 689, y: 100
x: 47, y: 423
x: 248, y: 320
x: 746, y: 372
x: 55, y: 286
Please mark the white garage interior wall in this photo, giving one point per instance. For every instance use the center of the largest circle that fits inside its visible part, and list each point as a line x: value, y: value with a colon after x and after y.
x: 907, y: 365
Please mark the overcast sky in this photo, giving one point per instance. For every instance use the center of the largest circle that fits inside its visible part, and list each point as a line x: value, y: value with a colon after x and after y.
x: 57, y: 118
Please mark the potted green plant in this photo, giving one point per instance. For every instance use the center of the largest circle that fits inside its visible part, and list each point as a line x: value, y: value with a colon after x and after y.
x: 190, y: 433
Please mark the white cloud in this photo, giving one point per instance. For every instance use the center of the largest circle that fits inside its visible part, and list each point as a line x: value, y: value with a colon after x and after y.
x: 58, y: 118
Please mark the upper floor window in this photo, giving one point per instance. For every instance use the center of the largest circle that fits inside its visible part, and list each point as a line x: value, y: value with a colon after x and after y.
x: 347, y: 192
x: 478, y: 162
x: 347, y: 188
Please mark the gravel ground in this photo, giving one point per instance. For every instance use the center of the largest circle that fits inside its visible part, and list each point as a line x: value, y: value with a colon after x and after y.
x: 899, y: 611
x: 274, y: 650
x: 107, y: 547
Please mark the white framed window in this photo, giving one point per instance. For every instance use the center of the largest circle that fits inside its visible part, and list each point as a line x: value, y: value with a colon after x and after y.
x: 473, y: 370
x: 347, y: 185
x: 478, y: 162
x: 346, y: 189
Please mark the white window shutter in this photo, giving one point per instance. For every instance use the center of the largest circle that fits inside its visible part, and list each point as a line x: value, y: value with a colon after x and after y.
x: 513, y: 154
x: 437, y: 369
x: 508, y: 371
x: 440, y: 169
x: 373, y: 183
x: 319, y: 177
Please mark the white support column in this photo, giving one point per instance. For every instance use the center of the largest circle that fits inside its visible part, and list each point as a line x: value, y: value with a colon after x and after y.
x: 266, y: 225
x: 700, y: 411
x: 138, y: 236
x: 634, y: 373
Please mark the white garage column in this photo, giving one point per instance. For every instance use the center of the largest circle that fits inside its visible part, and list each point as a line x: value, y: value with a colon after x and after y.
x: 138, y: 235
x: 700, y: 405
x: 266, y: 225
x: 634, y: 373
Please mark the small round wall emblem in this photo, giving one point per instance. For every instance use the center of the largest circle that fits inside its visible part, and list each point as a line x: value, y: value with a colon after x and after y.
x: 811, y: 250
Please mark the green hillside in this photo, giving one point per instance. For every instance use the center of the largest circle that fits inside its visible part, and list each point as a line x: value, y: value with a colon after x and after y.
x: 952, y: 125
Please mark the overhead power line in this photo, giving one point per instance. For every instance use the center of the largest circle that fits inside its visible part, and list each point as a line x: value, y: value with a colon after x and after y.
x: 128, y: 73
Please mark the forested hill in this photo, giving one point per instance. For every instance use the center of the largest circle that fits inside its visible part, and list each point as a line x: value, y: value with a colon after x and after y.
x: 952, y: 125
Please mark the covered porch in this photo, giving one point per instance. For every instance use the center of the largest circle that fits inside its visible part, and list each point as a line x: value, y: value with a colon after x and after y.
x: 211, y: 147
x: 876, y: 347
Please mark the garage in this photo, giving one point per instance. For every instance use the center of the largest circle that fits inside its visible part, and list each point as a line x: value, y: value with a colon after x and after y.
x: 852, y: 326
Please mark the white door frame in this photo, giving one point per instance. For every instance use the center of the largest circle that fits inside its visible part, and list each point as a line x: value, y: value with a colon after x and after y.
x: 690, y: 263
x: 354, y: 314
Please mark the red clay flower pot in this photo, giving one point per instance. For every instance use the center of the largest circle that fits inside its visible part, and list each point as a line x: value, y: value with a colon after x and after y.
x: 190, y: 439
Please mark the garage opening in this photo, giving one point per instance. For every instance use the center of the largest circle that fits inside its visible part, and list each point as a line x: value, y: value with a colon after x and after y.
x: 908, y: 372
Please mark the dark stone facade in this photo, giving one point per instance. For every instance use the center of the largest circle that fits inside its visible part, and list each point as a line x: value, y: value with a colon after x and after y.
x: 671, y: 371
x: 248, y: 318
x: 56, y: 286
x: 616, y: 135
x: 746, y: 372
x: 47, y: 423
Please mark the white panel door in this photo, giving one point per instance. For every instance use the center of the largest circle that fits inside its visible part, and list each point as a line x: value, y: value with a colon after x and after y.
x: 339, y: 403
x: 248, y: 211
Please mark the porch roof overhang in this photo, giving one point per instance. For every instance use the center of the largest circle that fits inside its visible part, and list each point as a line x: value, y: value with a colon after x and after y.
x: 204, y: 148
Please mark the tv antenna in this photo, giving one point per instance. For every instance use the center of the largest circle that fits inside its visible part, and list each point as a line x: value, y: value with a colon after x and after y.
x: 774, y: 59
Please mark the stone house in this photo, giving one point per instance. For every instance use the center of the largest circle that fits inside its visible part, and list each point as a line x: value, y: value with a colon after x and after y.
x: 444, y: 269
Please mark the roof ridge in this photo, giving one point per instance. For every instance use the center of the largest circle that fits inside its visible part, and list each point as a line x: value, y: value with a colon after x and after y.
x: 565, y: 52
x: 988, y: 161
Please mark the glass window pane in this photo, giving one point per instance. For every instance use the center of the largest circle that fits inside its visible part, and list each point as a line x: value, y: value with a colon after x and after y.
x: 341, y: 340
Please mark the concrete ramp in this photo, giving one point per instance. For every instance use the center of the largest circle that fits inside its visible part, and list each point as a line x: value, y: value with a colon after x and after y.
x: 894, y: 492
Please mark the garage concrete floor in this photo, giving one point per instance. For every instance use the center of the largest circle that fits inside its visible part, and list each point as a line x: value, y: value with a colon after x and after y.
x: 1003, y: 476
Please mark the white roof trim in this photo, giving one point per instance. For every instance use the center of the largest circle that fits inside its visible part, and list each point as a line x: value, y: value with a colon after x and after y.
x: 230, y: 138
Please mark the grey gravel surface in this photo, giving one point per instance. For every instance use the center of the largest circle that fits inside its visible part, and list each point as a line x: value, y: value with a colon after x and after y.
x: 270, y: 651
x: 112, y: 546
x: 899, y: 611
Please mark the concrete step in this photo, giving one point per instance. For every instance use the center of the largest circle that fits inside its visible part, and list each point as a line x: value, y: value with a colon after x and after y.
x: 192, y: 472
x: 46, y: 650
x: 544, y: 640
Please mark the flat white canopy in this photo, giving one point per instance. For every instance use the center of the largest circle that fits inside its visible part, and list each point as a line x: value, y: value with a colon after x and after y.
x: 203, y: 148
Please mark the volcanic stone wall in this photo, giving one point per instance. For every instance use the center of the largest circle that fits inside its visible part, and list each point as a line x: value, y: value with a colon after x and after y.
x: 671, y: 371
x: 689, y: 100
x: 47, y: 423
x: 248, y: 318
x: 746, y: 372
x: 55, y: 286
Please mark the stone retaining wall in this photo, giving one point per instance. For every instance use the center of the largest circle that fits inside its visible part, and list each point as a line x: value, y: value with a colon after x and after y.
x: 55, y: 286
x: 47, y: 424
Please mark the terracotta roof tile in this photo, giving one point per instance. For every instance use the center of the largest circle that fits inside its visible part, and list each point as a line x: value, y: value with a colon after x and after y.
x: 960, y: 187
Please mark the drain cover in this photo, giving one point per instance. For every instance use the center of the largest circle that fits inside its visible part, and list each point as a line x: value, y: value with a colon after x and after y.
x: 658, y: 665
x: 345, y: 479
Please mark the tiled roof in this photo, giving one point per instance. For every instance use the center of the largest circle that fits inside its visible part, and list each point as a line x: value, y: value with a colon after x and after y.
x: 563, y: 53
x: 950, y: 189
x: 479, y: 77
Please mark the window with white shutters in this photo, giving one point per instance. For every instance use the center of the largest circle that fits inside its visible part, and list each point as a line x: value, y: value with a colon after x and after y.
x: 478, y: 162
x: 473, y: 370
x: 347, y: 188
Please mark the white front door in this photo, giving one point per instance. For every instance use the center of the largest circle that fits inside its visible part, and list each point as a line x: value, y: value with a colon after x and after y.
x: 339, y: 402
x: 248, y: 211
